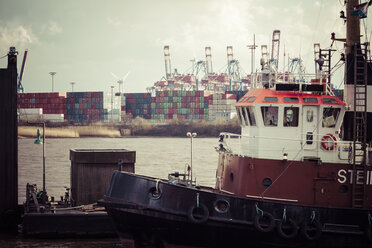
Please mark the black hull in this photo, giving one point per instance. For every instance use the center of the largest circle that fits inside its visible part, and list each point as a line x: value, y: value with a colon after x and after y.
x: 170, y: 219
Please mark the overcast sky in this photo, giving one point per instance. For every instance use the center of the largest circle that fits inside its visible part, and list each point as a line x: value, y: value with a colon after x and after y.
x: 85, y: 41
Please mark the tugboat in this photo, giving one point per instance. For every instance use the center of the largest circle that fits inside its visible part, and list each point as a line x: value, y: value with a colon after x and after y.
x: 289, y: 179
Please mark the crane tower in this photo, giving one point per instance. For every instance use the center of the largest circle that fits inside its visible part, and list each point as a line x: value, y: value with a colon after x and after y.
x: 264, y: 56
x: 168, y: 67
x: 275, y: 49
x: 208, y: 60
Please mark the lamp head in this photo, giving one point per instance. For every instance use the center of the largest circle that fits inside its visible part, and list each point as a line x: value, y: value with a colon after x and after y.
x: 38, y: 141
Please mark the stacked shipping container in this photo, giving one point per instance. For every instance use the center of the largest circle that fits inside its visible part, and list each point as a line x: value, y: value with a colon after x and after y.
x: 223, y: 106
x: 180, y: 104
x: 138, y: 104
x: 84, y: 107
x: 51, y: 103
x: 111, y: 107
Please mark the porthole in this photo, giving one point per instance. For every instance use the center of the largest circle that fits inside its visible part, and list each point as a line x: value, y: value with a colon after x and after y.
x: 154, y: 194
x: 266, y: 182
x: 343, y: 189
x: 222, y: 206
x: 232, y: 176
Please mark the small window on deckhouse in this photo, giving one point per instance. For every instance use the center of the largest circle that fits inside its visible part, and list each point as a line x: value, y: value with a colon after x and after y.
x: 252, y: 119
x: 290, y: 117
x: 270, y: 115
x: 245, y: 118
x: 330, y: 116
x: 238, y: 110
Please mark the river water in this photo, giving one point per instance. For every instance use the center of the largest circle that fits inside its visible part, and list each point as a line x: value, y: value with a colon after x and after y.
x: 155, y: 157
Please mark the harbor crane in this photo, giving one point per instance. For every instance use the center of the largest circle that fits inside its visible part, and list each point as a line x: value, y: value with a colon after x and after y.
x: 208, y: 60
x: 275, y: 49
x: 233, y: 67
x: 20, y: 88
x: 168, y: 67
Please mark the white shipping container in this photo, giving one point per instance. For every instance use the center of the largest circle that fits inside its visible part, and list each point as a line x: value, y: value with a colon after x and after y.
x: 111, y: 101
x: 30, y: 111
x: 54, y: 117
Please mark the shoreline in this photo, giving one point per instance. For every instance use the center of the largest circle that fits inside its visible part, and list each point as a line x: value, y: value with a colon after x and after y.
x: 133, y: 129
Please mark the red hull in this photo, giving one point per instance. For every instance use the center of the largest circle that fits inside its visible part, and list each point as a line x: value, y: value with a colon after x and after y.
x: 297, y: 182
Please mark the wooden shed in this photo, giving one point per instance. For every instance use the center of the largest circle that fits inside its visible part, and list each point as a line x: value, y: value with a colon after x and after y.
x: 91, y: 171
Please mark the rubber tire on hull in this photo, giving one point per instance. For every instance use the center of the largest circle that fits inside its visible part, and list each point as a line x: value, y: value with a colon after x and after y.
x: 293, y: 228
x: 197, y: 218
x: 311, y: 230
x: 269, y: 220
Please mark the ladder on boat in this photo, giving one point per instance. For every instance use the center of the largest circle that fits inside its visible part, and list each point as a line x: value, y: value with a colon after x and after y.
x: 360, y: 126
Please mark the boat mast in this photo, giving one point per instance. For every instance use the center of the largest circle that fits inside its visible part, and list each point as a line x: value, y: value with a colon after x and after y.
x: 355, y: 121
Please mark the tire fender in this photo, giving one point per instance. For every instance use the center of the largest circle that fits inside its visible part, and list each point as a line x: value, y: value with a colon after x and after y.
x: 293, y: 229
x: 198, y: 218
x: 264, y: 222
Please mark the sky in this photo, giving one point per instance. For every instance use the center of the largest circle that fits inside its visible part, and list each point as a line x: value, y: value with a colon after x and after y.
x: 86, y: 41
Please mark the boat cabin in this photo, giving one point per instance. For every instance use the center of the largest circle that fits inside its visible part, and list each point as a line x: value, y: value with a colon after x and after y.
x: 297, y: 125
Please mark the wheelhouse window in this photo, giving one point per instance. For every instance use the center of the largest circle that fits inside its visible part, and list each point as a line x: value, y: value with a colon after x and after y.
x: 290, y: 99
x: 252, y: 119
x: 251, y: 99
x: 329, y: 100
x: 238, y: 110
x: 270, y: 99
x: 270, y: 116
x: 310, y: 100
x: 290, y: 117
x: 330, y: 116
x: 245, y: 118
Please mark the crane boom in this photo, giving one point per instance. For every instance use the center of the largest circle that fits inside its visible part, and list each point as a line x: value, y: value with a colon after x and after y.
x: 20, y: 77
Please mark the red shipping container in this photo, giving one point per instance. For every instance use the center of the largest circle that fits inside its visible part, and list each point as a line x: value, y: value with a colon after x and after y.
x: 175, y: 93
x: 201, y: 111
x: 153, y: 99
x: 188, y: 93
x: 170, y: 111
x: 201, y: 117
x: 175, y: 105
x: 166, y: 93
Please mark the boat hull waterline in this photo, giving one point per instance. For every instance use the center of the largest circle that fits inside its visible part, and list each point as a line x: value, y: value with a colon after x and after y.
x: 149, y: 211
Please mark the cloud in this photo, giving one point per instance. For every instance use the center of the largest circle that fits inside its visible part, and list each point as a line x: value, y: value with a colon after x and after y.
x: 16, y: 36
x: 53, y: 28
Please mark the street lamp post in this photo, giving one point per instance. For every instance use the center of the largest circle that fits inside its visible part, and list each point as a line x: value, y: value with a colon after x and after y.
x: 52, y: 73
x: 72, y: 86
x: 37, y: 141
x: 191, y: 135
